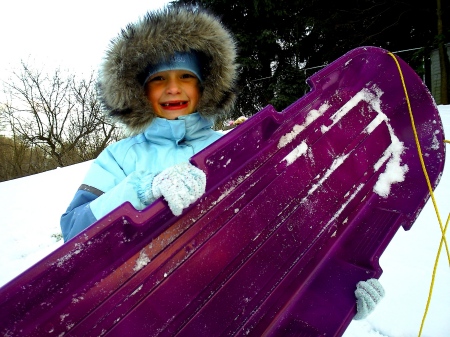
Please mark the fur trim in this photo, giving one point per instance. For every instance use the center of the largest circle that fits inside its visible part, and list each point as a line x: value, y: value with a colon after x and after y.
x: 153, y: 39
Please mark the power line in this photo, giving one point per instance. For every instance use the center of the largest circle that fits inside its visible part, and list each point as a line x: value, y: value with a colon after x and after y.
x: 324, y: 65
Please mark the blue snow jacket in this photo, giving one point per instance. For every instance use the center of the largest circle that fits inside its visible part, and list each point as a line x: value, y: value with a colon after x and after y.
x: 113, y: 177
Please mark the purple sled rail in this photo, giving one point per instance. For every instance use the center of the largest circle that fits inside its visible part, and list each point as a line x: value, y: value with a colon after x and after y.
x: 291, y: 220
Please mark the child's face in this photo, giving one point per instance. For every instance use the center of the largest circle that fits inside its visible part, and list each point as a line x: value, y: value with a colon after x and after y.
x: 173, y: 93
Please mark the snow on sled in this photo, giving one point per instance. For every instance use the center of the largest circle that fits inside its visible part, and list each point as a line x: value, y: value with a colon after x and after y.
x: 300, y: 204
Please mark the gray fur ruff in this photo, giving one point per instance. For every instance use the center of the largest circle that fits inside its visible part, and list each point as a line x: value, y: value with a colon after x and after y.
x: 155, y: 38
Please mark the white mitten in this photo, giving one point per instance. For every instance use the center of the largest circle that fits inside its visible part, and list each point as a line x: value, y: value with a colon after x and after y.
x: 180, y: 185
x: 368, y: 294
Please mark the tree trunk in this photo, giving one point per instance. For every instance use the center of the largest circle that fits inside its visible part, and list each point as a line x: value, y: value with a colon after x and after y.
x: 443, y: 57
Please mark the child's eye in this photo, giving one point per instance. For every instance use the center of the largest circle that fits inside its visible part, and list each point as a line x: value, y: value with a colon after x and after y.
x: 185, y: 76
x: 156, y: 78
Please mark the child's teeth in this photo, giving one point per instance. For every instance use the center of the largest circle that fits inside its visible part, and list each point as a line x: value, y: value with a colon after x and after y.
x: 169, y: 104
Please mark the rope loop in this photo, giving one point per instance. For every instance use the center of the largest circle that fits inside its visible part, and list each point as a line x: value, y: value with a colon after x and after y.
x: 443, y: 229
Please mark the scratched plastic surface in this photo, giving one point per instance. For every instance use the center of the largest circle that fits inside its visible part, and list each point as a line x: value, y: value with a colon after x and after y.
x: 289, y: 224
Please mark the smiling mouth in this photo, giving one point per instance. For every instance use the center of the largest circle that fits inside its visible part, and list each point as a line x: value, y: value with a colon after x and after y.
x: 173, y: 104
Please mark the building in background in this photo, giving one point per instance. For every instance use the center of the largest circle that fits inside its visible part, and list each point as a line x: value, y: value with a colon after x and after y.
x: 435, y: 74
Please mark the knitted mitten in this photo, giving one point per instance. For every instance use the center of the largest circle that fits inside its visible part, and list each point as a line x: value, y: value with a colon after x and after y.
x: 368, y: 294
x: 180, y: 185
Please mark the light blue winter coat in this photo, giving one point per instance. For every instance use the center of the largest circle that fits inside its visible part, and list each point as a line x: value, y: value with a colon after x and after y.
x: 114, y: 176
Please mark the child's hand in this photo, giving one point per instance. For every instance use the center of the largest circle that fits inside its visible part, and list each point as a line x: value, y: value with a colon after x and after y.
x: 368, y: 294
x: 180, y: 185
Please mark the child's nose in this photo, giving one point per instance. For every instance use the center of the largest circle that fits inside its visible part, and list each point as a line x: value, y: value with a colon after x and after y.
x: 173, y: 86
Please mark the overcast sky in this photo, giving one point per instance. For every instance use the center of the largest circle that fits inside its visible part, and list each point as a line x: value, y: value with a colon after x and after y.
x: 59, y: 33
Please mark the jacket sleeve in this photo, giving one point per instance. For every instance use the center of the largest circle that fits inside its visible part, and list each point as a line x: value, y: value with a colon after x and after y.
x: 78, y: 215
x: 104, y: 188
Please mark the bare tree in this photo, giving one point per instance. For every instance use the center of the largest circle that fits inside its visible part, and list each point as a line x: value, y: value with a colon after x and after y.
x: 58, y: 114
x: 18, y: 159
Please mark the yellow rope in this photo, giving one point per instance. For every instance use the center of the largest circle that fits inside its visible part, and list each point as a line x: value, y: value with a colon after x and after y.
x: 433, y: 277
x: 419, y: 150
x: 443, y: 230
x: 446, y: 141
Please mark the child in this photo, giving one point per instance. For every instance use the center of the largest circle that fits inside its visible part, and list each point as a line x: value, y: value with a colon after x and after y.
x: 165, y: 78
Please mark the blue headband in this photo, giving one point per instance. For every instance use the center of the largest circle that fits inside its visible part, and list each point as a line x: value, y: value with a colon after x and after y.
x: 180, y: 61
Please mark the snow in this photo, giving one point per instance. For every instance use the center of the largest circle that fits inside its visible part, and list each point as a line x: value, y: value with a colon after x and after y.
x: 371, y: 96
x: 142, y: 261
x: 395, y: 172
x: 311, y: 117
x: 30, y: 209
x: 296, y: 153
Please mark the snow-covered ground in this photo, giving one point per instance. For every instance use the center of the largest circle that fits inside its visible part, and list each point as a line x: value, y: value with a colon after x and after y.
x: 30, y: 209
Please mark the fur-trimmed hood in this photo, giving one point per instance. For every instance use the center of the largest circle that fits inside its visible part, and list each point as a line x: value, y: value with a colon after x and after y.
x: 154, y: 39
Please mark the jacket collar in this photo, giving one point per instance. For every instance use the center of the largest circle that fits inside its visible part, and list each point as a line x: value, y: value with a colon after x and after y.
x: 184, y: 128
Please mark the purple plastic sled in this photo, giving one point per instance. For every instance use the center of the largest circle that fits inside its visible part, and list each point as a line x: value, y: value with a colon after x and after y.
x: 300, y: 204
